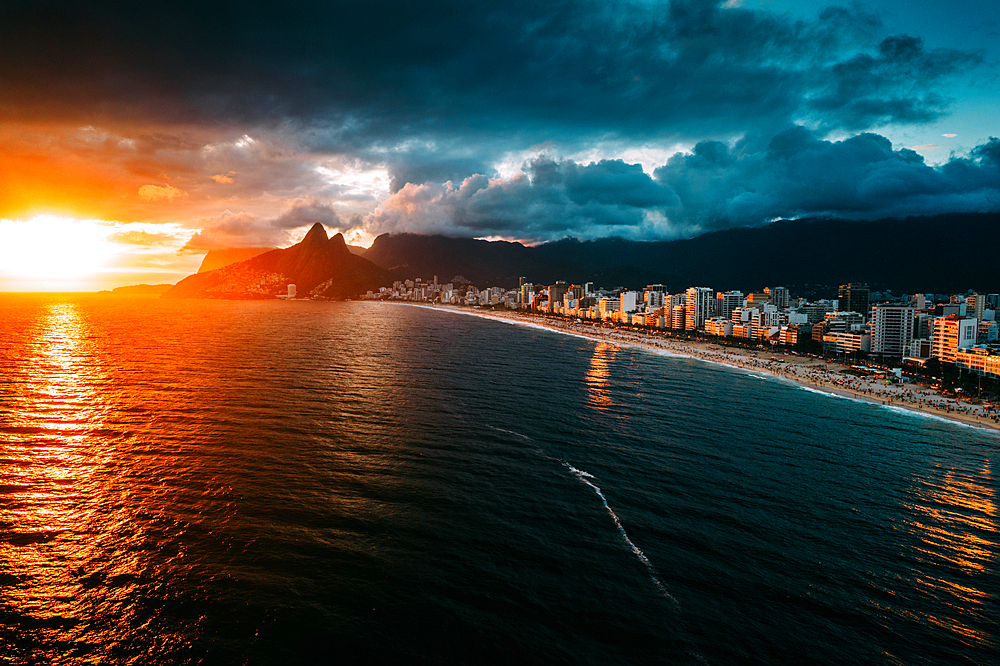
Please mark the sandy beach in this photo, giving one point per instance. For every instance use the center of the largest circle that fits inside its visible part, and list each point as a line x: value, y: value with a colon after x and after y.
x: 815, y: 373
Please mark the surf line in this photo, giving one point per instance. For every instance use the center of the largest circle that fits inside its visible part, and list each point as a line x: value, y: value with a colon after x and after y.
x: 585, y: 478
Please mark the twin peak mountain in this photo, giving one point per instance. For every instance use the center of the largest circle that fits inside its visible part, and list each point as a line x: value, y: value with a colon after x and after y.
x: 317, y: 266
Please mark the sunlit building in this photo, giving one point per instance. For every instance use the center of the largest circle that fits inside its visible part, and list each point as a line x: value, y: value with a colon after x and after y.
x: 696, y: 307
x: 951, y: 334
x: 980, y: 359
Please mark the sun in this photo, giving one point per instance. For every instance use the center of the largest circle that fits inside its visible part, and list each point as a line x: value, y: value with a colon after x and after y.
x: 53, y: 248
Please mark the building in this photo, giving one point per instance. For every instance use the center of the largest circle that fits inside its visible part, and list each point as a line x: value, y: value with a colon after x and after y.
x: 892, y: 330
x: 853, y: 297
x: 980, y: 359
x: 606, y: 306
x: 678, y: 317
x: 527, y: 292
x: 697, y: 307
x: 719, y: 326
x: 556, y: 293
x: 846, y: 342
x: 779, y: 297
x: 727, y: 302
x: 628, y: 299
x: 975, y: 304
x: 951, y: 334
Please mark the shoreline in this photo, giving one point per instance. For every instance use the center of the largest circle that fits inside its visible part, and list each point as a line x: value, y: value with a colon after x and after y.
x: 813, y: 374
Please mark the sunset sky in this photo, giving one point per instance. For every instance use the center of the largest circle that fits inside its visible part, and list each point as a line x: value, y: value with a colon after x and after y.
x: 134, y: 138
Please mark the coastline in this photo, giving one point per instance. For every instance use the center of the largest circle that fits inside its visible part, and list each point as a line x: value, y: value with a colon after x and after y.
x: 811, y: 373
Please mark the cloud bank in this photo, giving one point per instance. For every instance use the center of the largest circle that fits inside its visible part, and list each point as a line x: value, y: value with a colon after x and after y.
x: 716, y: 185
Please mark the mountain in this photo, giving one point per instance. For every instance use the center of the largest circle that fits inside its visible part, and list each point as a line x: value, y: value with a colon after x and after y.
x: 501, y: 263
x: 942, y: 253
x: 143, y: 290
x: 216, y: 259
x: 317, y: 265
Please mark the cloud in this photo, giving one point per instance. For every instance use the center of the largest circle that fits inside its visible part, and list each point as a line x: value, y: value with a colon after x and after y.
x: 926, y: 146
x: 949, y: 136
x: 305, y: 213
x: 371, y: 79
x: 549, y: 199
x: 160, y: 193
x: 243, y: 229
x: 794, y: 174
x: 224, y: 179
x: 231, y: 230
x: 716, y: 185
x: 142, y: 238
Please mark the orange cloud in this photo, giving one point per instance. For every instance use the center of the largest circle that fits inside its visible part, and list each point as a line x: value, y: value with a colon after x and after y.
x: 158, y: 193
x: 224, y: 179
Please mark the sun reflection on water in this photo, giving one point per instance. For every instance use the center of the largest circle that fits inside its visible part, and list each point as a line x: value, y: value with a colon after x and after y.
x: 956, y: 519
x: 62, y: 515
x: 598, y: 377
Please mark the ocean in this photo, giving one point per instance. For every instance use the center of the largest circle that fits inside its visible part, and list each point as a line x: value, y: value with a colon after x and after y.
x: 224, y: 482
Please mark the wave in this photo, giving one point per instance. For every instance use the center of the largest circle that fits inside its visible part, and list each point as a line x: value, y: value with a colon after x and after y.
x: 584, y: 477
x: 512, y: 432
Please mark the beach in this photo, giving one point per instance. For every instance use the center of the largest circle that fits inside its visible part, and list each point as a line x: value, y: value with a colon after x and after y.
x: 815, y: 373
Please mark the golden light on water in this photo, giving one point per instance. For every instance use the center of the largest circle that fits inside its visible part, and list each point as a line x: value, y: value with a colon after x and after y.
x: 955, y: 516
x: 599, y: 375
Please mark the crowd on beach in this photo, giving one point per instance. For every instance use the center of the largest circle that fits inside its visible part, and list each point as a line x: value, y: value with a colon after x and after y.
x: 805, y: 370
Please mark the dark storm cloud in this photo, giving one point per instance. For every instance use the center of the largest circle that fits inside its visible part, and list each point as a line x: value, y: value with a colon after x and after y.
x: 758, y: 179
x: 794, y: 174
x: 550, y: 199
x: 361, y: 77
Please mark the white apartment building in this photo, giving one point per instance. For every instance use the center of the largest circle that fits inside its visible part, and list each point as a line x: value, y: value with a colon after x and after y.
x: 892, y: 330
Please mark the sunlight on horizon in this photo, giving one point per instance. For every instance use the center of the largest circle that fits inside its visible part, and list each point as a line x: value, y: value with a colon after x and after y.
x: 55, y: 249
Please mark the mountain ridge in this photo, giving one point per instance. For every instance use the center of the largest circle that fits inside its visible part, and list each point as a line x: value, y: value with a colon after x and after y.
x: 318, y: 265
x: 941, y: 253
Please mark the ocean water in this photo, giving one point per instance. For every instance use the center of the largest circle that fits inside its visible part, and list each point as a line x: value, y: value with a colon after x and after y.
x: 297, y: 482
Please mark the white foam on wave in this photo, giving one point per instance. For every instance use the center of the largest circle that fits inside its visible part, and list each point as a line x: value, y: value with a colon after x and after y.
x: 944, y: 419
x: 584, y: 477
x: 831, y: 394
x: 899, y: 409
x: 511, y: 432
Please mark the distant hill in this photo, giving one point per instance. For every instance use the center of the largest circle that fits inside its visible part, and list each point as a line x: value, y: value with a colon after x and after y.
x: 147, y: 290
x: 942, y: 253
x: 317, y: 266
x: 216, y: 259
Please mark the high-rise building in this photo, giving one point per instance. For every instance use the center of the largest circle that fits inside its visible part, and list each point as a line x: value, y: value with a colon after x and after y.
x: 678, y: 317
x: 853, y: 297
x: 975, y: 304
x: 696, y: 307
x: 952, y: 333
x: 556, y: 293
x: 892, y: 330
x: 527, y: 292
x: 779, y: 297
x: 628, y: 301
x: 727, y: 302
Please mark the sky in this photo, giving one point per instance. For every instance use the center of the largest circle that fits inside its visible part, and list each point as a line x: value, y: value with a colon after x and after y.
x: 135, y: 137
